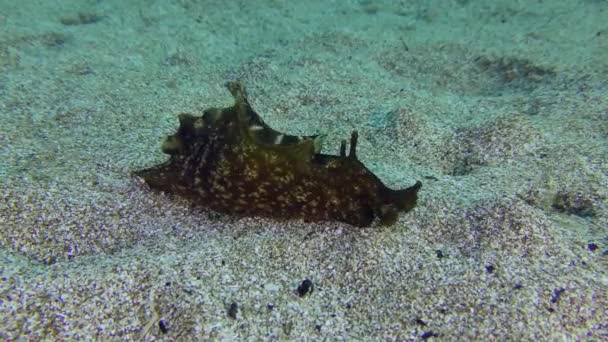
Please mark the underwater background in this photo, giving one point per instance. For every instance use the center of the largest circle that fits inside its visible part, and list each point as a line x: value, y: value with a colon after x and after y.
x: 500, y: 108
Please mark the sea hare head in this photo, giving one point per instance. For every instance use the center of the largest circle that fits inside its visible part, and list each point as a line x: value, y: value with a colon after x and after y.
x: 232, y: 162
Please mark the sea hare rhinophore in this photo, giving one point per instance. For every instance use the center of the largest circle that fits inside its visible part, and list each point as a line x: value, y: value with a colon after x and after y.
x: 230, y: 161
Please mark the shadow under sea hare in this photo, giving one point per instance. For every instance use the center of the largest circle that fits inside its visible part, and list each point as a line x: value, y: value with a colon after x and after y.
x: 230, y: 161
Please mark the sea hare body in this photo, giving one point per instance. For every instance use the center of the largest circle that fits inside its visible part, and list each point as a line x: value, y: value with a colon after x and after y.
x: 230, y: 161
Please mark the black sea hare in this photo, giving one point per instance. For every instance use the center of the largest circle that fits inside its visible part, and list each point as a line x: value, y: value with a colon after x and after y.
x: 230, y: 161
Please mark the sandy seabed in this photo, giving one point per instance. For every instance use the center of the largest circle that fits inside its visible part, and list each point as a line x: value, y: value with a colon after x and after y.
x: 500, y: 108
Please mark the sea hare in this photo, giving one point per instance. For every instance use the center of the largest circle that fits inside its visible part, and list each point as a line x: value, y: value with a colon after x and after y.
x: 230, y: 161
